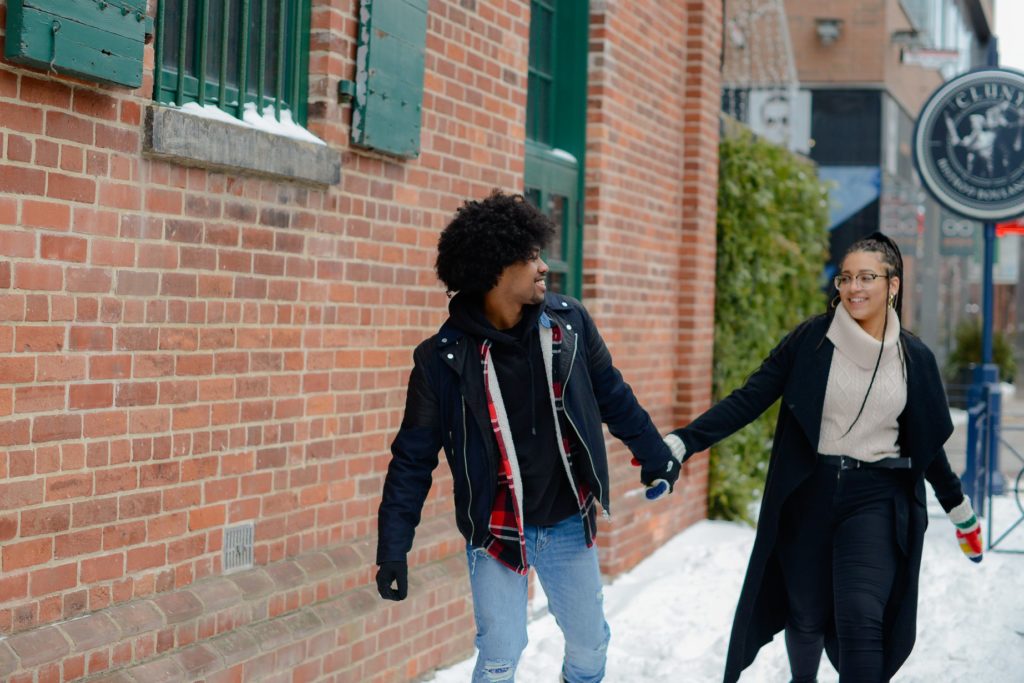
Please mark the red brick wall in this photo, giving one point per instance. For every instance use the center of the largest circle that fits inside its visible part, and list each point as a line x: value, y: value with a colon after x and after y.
x: 182, y: 349
x: 864, y: 53
x: 649, y: 243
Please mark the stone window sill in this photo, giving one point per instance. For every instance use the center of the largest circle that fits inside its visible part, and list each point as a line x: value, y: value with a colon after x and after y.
x: 193, y: 140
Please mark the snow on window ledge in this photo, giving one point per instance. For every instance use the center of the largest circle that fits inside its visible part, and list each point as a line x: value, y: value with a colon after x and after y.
x: 211, y: 138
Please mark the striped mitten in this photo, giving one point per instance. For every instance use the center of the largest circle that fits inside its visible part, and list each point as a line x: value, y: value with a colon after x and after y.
x: 968, y: 530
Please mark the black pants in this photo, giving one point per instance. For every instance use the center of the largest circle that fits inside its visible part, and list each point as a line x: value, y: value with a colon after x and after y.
x: 839, y: 557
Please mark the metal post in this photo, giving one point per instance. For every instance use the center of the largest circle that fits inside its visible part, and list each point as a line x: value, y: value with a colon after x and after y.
x: 987, y: 294
x: 970, y: 478
x: 989, y: 370
x: 984, y: 467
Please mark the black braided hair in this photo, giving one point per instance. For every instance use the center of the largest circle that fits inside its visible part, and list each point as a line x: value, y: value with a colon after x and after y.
x: 890, y: 254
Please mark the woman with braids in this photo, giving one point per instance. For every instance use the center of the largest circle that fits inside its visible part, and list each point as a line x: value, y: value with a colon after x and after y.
x: 862, y: 424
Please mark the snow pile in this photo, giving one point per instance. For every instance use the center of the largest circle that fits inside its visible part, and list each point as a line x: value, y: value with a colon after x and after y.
x: 266, y: 122
x: 670, y: 617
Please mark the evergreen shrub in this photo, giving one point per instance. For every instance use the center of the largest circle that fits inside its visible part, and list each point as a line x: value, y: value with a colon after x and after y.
x: 772, y: 247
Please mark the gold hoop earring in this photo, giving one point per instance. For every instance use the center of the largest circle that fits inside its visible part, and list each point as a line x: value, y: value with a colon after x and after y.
x: 892, y: 301
x: 835, y: 301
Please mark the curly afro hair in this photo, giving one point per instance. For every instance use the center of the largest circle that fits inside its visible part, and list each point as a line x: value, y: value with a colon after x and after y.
x: 485, y: 237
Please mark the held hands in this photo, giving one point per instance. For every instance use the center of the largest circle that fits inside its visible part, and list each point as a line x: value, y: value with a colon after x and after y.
x: 660, y: 478
x: 396, y: 572
x: 968, y: 530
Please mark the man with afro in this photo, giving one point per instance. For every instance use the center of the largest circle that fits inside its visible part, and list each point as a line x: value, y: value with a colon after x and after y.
x: 514, y: 387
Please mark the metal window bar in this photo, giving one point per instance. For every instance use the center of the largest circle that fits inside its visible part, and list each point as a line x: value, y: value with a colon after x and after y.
x: 262, y: 71
x: 204, y: 16
x: 182, y: 44
x: 279, y: 76
x: 296, y: 63
x: 243, y: 60
x: 158, y: 71
x: 223, y: 75
x: 179, y: 83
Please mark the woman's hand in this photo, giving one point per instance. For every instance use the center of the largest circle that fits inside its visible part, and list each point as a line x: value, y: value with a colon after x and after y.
x: 968, y: 530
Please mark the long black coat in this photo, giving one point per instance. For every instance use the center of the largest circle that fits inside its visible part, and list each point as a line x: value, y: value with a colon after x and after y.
x: 797, y: 370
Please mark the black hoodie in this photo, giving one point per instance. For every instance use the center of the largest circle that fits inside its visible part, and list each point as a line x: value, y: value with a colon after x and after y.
x: 547, y: 495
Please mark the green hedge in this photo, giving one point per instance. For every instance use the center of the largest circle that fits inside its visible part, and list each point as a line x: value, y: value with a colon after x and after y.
x: 772, y: 247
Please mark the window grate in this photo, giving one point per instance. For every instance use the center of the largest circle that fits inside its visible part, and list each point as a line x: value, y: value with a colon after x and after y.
x: 237, y: 550
x: 233, y: 54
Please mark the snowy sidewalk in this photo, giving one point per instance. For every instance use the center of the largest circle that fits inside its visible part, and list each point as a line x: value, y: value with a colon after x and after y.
x: 670, y: 617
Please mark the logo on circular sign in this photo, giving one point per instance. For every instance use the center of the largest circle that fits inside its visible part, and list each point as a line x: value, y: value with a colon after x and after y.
x: 969, y: 144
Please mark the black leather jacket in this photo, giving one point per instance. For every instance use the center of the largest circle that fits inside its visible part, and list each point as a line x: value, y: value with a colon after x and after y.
x: 446, y: 407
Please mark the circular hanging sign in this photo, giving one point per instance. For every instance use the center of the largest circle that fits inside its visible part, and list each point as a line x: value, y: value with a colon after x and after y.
x: 969, y: 144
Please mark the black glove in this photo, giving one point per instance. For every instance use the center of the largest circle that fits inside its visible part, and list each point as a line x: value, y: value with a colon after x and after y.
x: 660, y: 478
x: 393, y: 572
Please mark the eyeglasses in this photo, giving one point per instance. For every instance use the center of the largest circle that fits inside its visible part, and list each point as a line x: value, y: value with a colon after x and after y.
x: 863, y: 279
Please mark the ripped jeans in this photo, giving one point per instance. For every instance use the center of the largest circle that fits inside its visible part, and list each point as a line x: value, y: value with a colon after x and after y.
x: 568, y: 572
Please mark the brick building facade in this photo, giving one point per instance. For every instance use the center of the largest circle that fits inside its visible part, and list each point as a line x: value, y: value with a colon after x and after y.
x: 868, y: 86
x: 188, y: 346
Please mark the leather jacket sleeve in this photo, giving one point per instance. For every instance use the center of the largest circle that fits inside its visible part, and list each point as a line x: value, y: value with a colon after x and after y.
x: 414, y: 455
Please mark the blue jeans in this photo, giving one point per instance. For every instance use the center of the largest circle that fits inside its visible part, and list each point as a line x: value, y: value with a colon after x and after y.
x: 569, y: 573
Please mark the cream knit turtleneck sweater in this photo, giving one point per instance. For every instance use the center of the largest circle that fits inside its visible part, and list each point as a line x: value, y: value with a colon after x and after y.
x: 874, y: 436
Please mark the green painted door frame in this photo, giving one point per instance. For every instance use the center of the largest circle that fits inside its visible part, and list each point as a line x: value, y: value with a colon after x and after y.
x: 556, y: 130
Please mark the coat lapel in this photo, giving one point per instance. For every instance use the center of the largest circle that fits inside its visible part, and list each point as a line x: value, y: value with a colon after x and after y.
x: 804, y: 394
x: 458, y: 352
x: 925, y: 425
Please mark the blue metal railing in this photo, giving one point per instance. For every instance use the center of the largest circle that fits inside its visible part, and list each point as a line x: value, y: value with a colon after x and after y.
x: 985, y: 435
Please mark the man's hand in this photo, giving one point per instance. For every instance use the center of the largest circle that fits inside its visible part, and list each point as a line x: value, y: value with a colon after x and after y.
x: 661, y: 478
x: 968, y: 530
x: 393, y: 572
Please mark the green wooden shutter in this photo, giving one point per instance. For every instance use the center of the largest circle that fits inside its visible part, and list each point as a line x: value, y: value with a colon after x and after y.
x: 389, y: 76
x: 98, y: 40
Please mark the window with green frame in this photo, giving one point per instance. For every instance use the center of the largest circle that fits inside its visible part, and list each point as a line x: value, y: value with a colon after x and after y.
x: 233, y: 54
x: 556, y: 111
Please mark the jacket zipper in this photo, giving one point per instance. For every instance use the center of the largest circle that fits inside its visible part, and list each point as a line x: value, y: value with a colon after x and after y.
x: 579, y: 438
x: 465, y: 464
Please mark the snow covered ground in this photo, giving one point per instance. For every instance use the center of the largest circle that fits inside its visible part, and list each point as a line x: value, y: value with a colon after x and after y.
x: 670, y: 616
